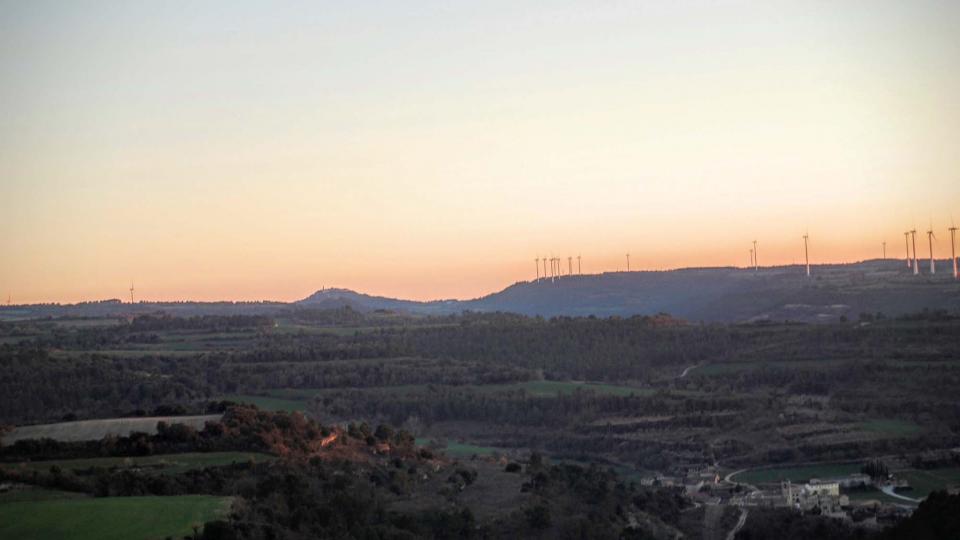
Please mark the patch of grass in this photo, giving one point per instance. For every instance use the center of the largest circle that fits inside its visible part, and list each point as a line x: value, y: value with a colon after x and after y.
x: 892, y: 427
x: 873, y: 494
x: 797, y: 474
x: 268, y: 403
x: 109, y: 518
x: 926, y: 481
x: 91, y: 430
x: 163, y: 463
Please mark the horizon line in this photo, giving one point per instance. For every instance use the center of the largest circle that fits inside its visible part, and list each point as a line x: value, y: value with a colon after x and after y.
x: 435, y: 300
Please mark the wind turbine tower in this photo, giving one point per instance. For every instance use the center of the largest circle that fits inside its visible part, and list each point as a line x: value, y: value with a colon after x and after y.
x: 751, y: 258
x: 884, y: 250
x: 579, y: 268
x: 953, y: 253
x: 569, y: 266
x: 544, y: 268
x: 906, y: 240
x: 930, y: 238
x: 756, y: 256
x: 131, y: 292
x: 537, y: 264
x: 916, y: 264
x: 806, y: 253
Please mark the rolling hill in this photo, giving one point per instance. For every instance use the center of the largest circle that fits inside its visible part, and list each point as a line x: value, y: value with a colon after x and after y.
x: 707, y: 294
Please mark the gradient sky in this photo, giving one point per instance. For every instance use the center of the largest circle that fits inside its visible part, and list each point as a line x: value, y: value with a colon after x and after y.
x: 247, y: 150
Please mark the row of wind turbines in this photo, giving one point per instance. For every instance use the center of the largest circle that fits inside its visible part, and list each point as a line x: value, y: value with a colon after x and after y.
x: 555, y: 271
x: 556, y: 267
x: 910, y: 237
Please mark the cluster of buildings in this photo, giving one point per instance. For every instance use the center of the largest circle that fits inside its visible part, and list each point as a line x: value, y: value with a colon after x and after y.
x: 822, y: 494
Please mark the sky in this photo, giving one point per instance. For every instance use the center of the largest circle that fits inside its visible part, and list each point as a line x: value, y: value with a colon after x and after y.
x: 263, y: 150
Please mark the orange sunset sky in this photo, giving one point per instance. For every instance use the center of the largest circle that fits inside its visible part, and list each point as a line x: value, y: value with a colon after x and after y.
x: 261, y: 150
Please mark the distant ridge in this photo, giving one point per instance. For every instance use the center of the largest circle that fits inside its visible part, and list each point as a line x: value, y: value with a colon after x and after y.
x: 719, y: 294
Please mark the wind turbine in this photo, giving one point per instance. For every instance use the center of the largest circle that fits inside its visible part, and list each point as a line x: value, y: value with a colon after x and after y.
x: 930, y: 238
x: 536, y: 262
x: 806, y: 253
x: 569, y: 266
x: 884, y: 249
x: 544, y: 268
x: 756, y: 256
x: 913, y: 238
x: 953, y: 253
x: 579, y: 268
x: 906, y: 241
x: 628, y: 262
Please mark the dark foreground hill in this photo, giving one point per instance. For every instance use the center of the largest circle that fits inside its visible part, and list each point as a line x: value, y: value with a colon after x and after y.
x: 700, y: 294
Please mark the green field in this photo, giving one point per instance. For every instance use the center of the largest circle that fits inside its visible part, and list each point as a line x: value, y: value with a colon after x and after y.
x: 924, y: 482
x: 295, y: 399
x: 109, y: 518
x: 163, y: 463
x: 874, y: 495
x: 894, y: 428
x: 797, y: 474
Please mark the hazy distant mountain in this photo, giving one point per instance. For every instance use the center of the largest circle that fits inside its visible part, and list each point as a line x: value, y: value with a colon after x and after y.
x: 698, y: 294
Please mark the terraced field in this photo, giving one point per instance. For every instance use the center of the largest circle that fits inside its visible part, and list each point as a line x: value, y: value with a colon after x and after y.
x: 295, y: 399
x: 109, y: 518
x: 90, y: 430
x: 892, y: 427
x: 163, y: 463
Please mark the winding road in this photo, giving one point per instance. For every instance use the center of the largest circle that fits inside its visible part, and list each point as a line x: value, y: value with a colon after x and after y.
x: 729, y: 480
x: 740, y: 522
x: 889, y: 490
x: 687, y: 370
